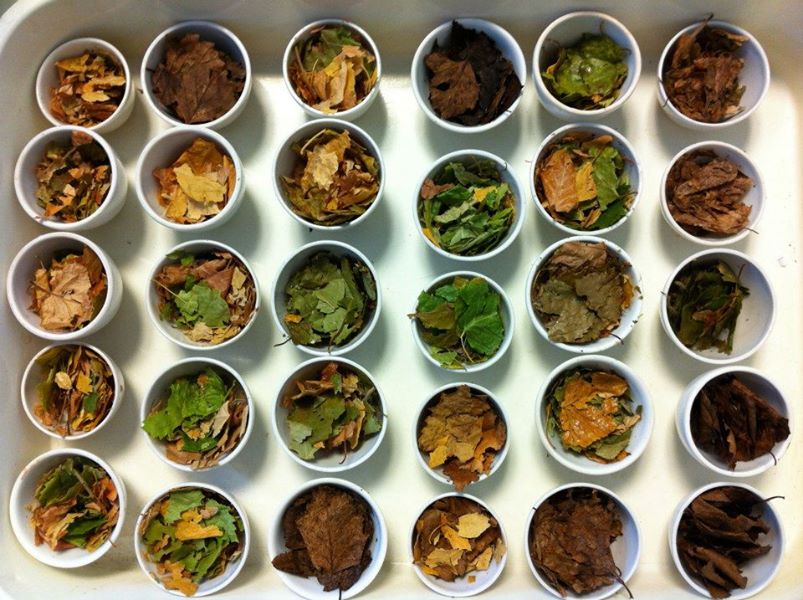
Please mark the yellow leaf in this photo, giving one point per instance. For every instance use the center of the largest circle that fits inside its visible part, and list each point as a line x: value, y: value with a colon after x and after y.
x: 201, y: 188
x: 438, y: 456
x: 481, y: 193
x: 455, y: 540
x: 178, y: 206
x: 483, y: 561
x: 83, y: 384
x: 472, y: 525
x: 442, y: 556
x: 75, y: 64
x: 499, y: 550
x: 63, y: 380
x: 189, y: 530
x: 584, y: 182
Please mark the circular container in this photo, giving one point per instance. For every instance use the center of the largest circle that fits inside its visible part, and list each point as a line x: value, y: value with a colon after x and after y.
x: 308, y: 587
x: 629, y: 317
x: 296, y: 262
x: 507, y: 319
x: 755, y: 319
x: 34, y: 373
x: 760, y: 571
x: 507, y: 176
x: 162, y: 151
x: 25, y: 182
x: 754, y: 76
x: 420, y: 81
x: 47, y: 78
x: 566, y: 31
x: 461, y: 587
x: 754, y: 198
x: 176, y: 335
x: 626, y: 549
x: 40, y: 251
x: 159, y: 390
x: 224, y: 41
x: 758, y: 383
x: 303, y: 34
x: 500, y: 455
x: 640, y: 434
x: 22, y: 495
x: 328, y: 462
x: 632, y: 168
x: 286, y: 159
x: 209, y: 586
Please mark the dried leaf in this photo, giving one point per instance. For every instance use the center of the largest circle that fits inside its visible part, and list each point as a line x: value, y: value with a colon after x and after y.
x: 90, y: 89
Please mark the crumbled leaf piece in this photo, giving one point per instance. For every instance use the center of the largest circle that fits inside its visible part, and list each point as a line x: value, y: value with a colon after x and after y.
x: 734, y: 423
x: 196, y: 81
x: 333, y: 70
x: 581, y: 292
x: 462, y: 432
x: 91, y: 87
x: 589, y: 74
x: 470, y: 81
x: 703, y: 305
x: 328, y: 534
x: 705, y: 194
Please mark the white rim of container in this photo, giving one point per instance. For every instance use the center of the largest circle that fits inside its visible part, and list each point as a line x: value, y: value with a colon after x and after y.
x: 499, y: 457
x: 452, y: 589
x: 679, y: 117
x: 640, y: 434
x: 47, y: 72
x: 158, y: 390
x: 363, y: 105
x: 209, y: 586
x: 25, y: 180
x: 70, y: 241
x: 507, y: 318
x: 314, y: 590
x: 712, y: 255
x: 746, y: 166
x: 773, y: 520
x: 173, y: 333
x: 683, y: 425
x: 506, y: 175
x: 564, y: 111
x: 18, y: 512
x: 630, y: 316
x: 203, y: 28
x: 501, y: 38
x: 621, y: 144
x: 369, y: 445
x: 308, y: 129
x: 29, y: 400
x: 626, y: 514
x: 278, y: 295
x: 172, y: 136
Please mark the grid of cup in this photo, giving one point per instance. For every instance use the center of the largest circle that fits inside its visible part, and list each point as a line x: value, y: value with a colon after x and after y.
x: 224, y: 41
x: 214, y: 584
x: 301, y: 36
x: 332, y: 462
x: 25, y: 181
x: 754, y: 197
x: 286, y: 159
x: 759, y: 571
x: 461, y: 587
x: 176, y: 335
x: 754, y: 76
x: 566, y: 31
x: 629, y: 318
x: 35, y: 373
x: 309, y: 587
x: 626, y: 549
x: 506, y: 43
x: 161, y: 152
x: 641, y: 431
x: 757, y: 382
x: 47, y: 79
x: 755, y: 318
x: 632, y: 168
x: 499, y: 458
x: 22, y: 495
x: 39, y: 251
x: 507, y: 319
x: 296, y: 261
x: 507, y: 176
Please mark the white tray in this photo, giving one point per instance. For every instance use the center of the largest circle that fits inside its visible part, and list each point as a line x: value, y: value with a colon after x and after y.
x: 262, y: 475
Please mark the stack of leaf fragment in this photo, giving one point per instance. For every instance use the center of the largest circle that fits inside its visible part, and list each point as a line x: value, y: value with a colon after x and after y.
x: 91, y: 87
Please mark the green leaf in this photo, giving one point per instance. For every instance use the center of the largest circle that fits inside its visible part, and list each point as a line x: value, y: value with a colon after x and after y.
x: 181, y: 501
x: 90, y: 402
x: 225, y: 520
x: 485, y: 333
x: 59, y: 485
x: 441, y: 317
x: 605, y: 177
x: 202, y: 303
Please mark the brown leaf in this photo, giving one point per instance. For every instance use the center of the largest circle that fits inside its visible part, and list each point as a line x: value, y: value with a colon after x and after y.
x: 559, y: 177
x: 453, y: 86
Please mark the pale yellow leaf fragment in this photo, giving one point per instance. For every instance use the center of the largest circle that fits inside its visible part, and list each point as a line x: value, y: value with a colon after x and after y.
x: 63, y: 380
x: 189, y: 530
x: 455, y: 540
x: 472, y: 525
x: 483, y: 561
x: 584, y: 182
x: 442, y: 556
x: 83, y: 384
x: 201, y: 188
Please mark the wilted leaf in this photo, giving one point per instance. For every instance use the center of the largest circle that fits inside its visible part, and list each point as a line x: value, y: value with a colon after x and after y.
x: 90, y: 89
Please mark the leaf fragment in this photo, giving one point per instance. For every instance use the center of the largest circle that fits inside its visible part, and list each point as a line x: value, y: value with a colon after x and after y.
x: 90, y: 88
